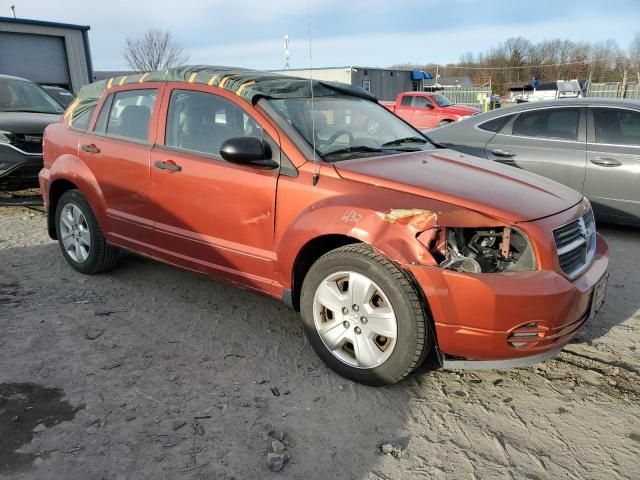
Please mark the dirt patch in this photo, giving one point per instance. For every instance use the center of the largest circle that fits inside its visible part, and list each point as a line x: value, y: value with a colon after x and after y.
x: 25, y: 410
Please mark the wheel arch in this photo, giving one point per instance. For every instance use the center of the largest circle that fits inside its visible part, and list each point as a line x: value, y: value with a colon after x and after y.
x: 307, y: 256
x: 56, y: 190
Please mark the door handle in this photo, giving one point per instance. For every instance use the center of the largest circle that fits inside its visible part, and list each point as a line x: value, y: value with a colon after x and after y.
x: 90, y: 148
x: 503, y: 153
x: 606, y: 162
x: 168, y: 165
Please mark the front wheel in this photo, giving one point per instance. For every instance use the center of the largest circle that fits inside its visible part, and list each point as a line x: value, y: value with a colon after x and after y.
x: 81, y: 240
x: 363, y: 317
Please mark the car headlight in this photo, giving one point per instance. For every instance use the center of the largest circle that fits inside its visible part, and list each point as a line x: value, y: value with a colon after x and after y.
x: 485, y: 250
x: 5, y: 137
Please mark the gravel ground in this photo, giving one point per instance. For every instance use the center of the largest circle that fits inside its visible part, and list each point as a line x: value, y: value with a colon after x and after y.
x: 152, y: 372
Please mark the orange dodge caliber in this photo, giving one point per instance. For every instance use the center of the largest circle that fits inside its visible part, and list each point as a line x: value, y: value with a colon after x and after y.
x: 311, y: 192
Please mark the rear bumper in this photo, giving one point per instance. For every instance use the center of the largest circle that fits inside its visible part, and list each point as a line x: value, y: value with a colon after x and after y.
x: 18, y: 170
x: 476, y: 315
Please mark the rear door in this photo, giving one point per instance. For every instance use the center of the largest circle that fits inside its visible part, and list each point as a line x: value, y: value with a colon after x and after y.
x: 613, y: 171
x: 117, y: 151
x: 404, y: 110
x: 548, y: 141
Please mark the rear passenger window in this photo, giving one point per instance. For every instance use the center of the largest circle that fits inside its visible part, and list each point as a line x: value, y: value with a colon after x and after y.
x: 557, y: 123
x: 129, y: 114
x: 617, y: 126
x: 81, y: 121
x: 496, y: 124
x: 406, y: 101
x: 202, y: 122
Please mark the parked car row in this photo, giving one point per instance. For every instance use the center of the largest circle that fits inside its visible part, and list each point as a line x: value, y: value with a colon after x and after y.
x: 25, y: 110
x: 390, y: 246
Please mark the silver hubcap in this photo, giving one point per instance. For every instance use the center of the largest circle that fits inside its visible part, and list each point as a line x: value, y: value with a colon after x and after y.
x: 74, y: 233
x: 355, y: 319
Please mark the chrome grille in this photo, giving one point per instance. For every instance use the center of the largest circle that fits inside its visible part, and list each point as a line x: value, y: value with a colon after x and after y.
x: 576, y: 244
x: 28, y: 143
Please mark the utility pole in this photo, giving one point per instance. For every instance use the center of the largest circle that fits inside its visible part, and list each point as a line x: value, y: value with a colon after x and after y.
x: 286, y: 53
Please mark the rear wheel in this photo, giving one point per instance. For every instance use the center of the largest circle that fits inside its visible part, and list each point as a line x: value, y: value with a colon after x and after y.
x: 82, y: 243
x: 363, y: 317
x: 444, y: 122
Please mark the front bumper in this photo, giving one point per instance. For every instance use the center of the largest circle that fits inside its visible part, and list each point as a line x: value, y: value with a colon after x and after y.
x: 18, y: 169
x: 475, y: 315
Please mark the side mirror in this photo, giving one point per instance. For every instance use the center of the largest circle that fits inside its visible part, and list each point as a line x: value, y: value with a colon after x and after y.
x: 248, y: 150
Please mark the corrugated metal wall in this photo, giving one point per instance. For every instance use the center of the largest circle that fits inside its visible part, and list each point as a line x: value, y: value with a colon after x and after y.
x: 328, y: 74
x: 74, y: 48
x: 384, y: 84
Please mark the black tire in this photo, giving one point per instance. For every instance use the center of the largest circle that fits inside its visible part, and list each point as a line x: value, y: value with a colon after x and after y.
x: 101, y: 256
x: 444, y: 122
x: 414, y: 340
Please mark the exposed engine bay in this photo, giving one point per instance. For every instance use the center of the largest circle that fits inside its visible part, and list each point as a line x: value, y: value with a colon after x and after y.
x: 487, y: 250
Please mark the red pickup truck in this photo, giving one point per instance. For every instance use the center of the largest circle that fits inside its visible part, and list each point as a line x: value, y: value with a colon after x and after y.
x: 428, y: 110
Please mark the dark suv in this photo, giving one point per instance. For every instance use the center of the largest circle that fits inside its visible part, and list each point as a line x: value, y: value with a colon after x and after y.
x: 25, y: 110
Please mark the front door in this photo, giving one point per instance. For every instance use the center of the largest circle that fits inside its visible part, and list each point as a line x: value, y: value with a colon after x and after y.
x: 613, y: 170
x: 117, y: 151
x: 212, y: 215
x: 548, y: 141
x: 423, y: 113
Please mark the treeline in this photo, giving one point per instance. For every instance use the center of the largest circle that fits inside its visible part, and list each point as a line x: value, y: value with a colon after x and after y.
x: 517, y: 60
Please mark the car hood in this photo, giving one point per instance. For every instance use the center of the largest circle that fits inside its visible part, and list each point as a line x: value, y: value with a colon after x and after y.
x: 461, y: 110
x: 487, y: 187
x: 26, y: 122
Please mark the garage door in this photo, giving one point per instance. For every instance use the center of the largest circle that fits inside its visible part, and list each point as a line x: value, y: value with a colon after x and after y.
x: 40, y: 58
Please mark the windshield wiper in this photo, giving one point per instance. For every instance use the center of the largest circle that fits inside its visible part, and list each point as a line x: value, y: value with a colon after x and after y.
x: 356, y: 149
x: 400, y: 141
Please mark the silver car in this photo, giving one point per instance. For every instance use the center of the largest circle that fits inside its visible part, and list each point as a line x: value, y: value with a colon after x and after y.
x: 589, y: 144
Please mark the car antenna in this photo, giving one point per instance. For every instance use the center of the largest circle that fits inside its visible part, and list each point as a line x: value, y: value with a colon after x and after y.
x: 316, y: 167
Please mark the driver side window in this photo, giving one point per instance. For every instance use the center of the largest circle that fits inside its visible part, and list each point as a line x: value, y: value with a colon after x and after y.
x: 201, y: 122
x: 421, y: 102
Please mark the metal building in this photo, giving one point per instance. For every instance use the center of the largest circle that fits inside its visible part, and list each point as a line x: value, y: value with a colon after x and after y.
x: 46, y: 52
x: 384, y: 83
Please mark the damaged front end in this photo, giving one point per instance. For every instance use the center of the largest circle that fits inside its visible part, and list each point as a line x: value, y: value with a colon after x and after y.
x: 485, y: 250
x: 452, y: 245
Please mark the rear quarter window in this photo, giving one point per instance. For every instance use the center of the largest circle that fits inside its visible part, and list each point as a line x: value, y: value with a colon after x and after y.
x: 496, y: 124
x: 81, y: 122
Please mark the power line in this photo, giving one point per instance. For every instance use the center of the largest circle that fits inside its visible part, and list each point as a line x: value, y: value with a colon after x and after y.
x: 584, y: 62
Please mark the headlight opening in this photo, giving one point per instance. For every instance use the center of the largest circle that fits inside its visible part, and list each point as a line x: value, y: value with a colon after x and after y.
x: 486, y: 250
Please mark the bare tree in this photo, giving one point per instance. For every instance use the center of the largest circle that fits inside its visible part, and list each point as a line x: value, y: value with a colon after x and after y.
x: 156, y: 50
x: 634, y: 53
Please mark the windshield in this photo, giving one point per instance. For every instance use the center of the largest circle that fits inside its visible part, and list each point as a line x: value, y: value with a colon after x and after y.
x: 23, y: 96
x: 349, y: 127
x: 441, y: 100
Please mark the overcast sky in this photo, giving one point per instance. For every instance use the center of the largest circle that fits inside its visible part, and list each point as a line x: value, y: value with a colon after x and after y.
x: 344, y: 32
